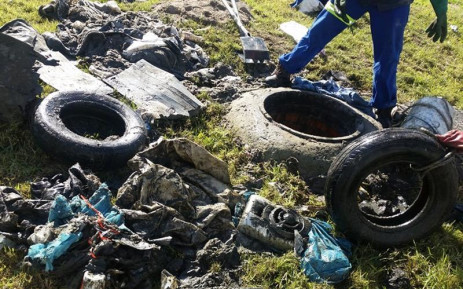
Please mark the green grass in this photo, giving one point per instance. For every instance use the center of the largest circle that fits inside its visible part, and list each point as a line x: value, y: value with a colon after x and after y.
x: 270, y: 271
x: 21, y: 161
x: 27, y: 10
x: 13, y: 277
x: 426, y: 68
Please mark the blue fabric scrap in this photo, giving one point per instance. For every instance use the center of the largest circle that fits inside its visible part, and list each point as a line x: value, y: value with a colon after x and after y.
x: 51, y: 251
x: 331, y: 88
x: 60, y: 211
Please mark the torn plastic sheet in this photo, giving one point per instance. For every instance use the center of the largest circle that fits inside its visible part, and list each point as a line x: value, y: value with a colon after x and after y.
x: 79, y: 182
x: 125, y: 257
x: 156, y: 183
x: 48, y: 252
x: 169, y: 151
x: 294, y: 29
x: 99, y: 203
x: 163, y: 198
x: 19, y: 81
x: 168, y: 164
x: 62, y: 211
x: 326, y: 258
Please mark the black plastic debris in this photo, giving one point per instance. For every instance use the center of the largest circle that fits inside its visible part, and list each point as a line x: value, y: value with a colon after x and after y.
x: 272, y: 225
x: 161, y: 221
x: 19, y: 81
x: 94, y: 30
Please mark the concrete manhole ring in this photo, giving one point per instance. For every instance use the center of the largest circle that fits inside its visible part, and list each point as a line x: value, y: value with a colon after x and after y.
x: 309, y: 126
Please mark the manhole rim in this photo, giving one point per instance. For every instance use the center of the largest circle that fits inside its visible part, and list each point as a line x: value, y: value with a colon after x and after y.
x: 358, y: 129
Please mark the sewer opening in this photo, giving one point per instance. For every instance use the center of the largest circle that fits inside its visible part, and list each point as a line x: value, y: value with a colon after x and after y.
x: 392, y: 194
x: 312, y: 114
x: 92, y: 121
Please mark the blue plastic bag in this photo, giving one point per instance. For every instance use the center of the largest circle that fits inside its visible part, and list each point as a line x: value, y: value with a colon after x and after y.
x: 326, y: 258
x: 62, y: 211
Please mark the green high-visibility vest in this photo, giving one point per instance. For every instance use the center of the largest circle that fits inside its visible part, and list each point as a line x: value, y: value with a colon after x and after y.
x: 330, y: 7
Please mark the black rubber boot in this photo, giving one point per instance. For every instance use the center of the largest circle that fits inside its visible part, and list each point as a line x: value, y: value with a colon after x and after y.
x: 384, y: 117
x: 279, y: 78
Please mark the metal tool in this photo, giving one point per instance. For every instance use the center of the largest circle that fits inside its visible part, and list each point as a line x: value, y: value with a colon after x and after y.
x: 254, y: 49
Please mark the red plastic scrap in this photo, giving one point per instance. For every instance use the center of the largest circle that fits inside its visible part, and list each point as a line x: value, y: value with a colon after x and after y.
x: 102, y: 228
x: 452, y: 139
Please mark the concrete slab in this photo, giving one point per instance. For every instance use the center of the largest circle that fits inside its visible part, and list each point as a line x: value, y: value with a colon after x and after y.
x: 66, y: 76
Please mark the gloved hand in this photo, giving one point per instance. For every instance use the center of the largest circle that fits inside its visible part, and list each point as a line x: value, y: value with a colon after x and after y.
x: 438, y: 28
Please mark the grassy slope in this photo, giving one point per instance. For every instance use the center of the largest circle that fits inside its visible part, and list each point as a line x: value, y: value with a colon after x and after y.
x: 426, y: 68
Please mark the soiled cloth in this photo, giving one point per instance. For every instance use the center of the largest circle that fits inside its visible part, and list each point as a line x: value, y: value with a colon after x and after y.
x: 331, y: 88
x: 177, y: 181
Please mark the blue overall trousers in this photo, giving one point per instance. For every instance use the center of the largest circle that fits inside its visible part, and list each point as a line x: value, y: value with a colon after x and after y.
x: 387, y: 30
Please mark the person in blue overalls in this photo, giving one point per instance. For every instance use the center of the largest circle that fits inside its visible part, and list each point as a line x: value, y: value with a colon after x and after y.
x: 388, y: 19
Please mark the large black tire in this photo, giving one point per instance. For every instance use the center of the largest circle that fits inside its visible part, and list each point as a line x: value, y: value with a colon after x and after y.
x: 95, y: 130
x: 386, y: 148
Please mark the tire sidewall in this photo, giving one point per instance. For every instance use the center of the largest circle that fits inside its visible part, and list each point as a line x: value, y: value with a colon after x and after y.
x: 56, y: 139
x: 361, y: 157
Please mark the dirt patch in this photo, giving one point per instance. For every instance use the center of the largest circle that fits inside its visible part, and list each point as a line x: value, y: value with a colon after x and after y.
x: 390, y: 191
x: 209, y: 12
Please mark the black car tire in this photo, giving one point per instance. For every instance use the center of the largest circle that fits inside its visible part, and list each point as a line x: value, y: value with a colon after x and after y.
x: 375, y: 150
x: 57, y: 127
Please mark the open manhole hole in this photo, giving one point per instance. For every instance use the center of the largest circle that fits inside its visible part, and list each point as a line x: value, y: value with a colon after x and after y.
x: 92, y: 121
x: 313, y: 116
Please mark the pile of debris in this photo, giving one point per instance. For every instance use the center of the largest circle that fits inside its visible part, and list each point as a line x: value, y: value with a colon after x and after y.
x: 173, y: 213
x: 106, y: 41
x: 175, y: 219
x: 109, y: 39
